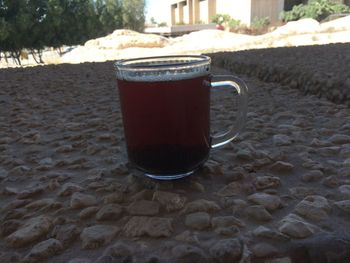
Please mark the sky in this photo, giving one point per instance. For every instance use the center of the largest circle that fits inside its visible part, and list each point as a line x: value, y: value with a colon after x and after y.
x: 157, y: 9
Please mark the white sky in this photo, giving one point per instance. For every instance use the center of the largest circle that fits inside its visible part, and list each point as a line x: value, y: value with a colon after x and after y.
x: 158, y: 9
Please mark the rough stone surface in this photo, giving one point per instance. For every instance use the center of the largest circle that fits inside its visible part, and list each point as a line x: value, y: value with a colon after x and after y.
x: 231, y: 231
x: 279, y: 260
x: 232, y: 189
x: 226, y: 250
x: 187, y: 236
x: 270, y: 202
x: 170, y: 201
x: 79, y: 109
x: 309, y: 80
x: 66, y: 234
x: 45, y: 202
x: 344, y: 205
x: 258, y: 212
x: 30, y: 192
x: 201, y: 205
x: 88, y: 212
x: 109, y: 212
x: 264, y: 232
x: 281, y: 167
x: 143, y: 208
x: 148, y: 226
x: 10, y: 257
x: 344, y: 190
x: 69, y: 189
x: 339, y: 139
x: 79, y: 200
x: 282, y: 140
x: 313, y: 207
x: 199, y: 220
x: 296, y: 227
x: 97, y: 236
x: 114, y: 198
x: 262, y: 250
x: 43, y: 250
x: 312, y: 176
x: 80, y: 260
x: 225, y: 221
x: 264, y: 182
x: 118, y: 252
x: 32, y: 230
x: 189, y: 253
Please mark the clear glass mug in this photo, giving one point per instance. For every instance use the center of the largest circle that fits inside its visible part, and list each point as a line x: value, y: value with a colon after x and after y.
x: 165, y: 103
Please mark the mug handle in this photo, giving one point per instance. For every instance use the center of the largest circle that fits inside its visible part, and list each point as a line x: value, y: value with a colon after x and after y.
x: 242, y: 90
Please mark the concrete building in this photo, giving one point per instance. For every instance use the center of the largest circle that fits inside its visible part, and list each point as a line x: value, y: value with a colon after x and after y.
x: 202, y: 11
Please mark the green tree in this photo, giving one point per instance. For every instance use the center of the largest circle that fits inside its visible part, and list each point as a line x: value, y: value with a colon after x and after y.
x: 153, y: 21
x: 37, y: 10
x: 82, y: 22
x: 134, y: 14
x: 53, y: 27
x: 221, y: 19
x: 35, y: 24
x: 69, y: 22
x: 17, y: 22
x: 316, y: 9
x: 109, y: 13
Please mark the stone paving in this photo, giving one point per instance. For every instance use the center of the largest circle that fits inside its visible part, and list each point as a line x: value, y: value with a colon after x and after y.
x: 319, y: 70
x: 279, y: 193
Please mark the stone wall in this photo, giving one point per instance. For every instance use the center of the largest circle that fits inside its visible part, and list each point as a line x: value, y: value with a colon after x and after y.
x: 320, y: 70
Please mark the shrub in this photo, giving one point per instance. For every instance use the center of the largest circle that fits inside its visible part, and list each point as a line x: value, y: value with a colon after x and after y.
x: 221, y: 18
x: 234, y: 24
x: 260, y: 23
x: 162, y: 24
x: 316, y: 9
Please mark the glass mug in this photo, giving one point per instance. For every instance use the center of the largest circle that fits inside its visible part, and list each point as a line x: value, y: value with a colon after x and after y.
x: 165, y: 103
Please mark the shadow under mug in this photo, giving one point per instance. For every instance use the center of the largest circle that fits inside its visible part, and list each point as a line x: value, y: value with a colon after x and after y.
x: 165, y: 103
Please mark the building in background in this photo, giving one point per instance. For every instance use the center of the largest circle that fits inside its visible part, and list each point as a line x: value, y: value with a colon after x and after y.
x: 202, y: 11
x: 186, y: 16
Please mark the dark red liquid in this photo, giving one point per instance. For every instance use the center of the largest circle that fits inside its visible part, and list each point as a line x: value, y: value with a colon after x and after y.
x: 166, y: 124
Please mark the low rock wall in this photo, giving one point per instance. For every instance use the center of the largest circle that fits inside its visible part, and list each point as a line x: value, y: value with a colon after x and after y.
x: 319, y: 70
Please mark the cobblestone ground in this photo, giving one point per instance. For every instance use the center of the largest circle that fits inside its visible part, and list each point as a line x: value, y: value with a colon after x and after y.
x: 279, y: 193
x: 319, y: 70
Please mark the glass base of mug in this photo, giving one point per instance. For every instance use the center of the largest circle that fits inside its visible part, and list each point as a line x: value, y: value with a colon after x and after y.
x: 164, y: 177
x: 168, y: 177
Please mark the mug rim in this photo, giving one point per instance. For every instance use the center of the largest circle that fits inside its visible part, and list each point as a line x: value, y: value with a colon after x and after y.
x: 122, y: 64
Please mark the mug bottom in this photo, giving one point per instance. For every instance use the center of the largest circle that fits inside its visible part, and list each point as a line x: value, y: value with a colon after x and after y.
x: 168, y: 177
x: 140, y: 172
